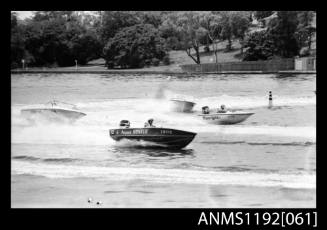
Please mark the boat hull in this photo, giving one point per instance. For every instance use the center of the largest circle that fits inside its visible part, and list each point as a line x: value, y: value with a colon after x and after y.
x: 182, y: 106
x: 159, y: 137
x: 53, y: 113
x: 226, y: 118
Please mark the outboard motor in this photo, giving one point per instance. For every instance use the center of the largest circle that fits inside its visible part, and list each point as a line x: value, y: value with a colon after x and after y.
x: 124, y: 124
x: 205, y: 109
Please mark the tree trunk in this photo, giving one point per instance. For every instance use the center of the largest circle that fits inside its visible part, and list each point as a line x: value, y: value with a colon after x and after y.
x: 229, y: 45
x: 215, y: 49
x: 207, y: 48
x: 216, y: 56
x: 188, y: 51
x: 197, y: 54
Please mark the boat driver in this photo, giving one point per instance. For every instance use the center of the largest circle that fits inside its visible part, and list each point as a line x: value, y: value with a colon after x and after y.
x: 205, y: 110
x: 53, y: 103
x: 149, y: 124
x: 222, y: 109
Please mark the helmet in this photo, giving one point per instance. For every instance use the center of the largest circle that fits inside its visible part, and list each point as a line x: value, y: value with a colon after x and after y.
x: 124, y: 123
x: 205, y: 109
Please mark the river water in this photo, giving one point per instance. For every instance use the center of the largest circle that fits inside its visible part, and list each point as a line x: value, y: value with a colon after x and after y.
x: 269, y: 160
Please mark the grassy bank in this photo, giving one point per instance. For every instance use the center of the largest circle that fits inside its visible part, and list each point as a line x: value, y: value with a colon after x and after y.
x: 177, y: 58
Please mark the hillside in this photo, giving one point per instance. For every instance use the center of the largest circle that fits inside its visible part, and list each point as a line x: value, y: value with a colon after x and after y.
x: 179, y: 57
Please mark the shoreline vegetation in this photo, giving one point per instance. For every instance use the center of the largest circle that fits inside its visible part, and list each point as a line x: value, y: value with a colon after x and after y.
x: 58, y: 71
x: 178, y: 58
x: 155, y: 42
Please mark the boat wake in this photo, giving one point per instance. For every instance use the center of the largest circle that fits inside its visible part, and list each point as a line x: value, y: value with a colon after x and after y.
x: 249, y: 102
x: 158, y: 175
x: 52, y: 133
x: 93, y: 129
x: 125, y: 143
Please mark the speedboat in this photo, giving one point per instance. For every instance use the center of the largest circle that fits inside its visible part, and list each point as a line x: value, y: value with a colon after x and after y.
x: 54, y: 111
x: 180, y: 105
x: 225, y: 117
x: 154, y: 137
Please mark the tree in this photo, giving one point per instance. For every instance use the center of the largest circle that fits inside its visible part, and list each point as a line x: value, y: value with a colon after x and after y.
x: 86, y: 47
x: 150, y: 17
x: 278, y: 40
x: 260, y: 15
x: 240, y: 24
x: 305, y: 28
x: 135, y: 47
x: 234, y: 24
x: 169, y: 32
x: 188, y: 27
x: 16, y: 42
x: 260, y: 47
x: 48, y: 40
x: 211, y: 21
x: 113, y: 21
x: 55, y: 38
x: 226, y: 28
x: 282, y: 30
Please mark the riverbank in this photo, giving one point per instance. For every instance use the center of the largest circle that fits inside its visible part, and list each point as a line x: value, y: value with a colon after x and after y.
x: 178, y: 60
x: 143, y: 71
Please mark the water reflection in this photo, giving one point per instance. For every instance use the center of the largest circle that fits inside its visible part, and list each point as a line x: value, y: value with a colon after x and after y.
x: 153, y: 151
x: 295, y: 77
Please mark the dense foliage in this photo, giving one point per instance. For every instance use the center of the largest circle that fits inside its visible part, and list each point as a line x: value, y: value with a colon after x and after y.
x: 305, y: 30
x: 17, y: 43
x: 282, y: 32
x: 260, y: 47
x: 131, y: 39
x: 53, y: 38
x: 259, y: 15
x: 187, y: 27
x: 285, y: 36
x: 134, y: 47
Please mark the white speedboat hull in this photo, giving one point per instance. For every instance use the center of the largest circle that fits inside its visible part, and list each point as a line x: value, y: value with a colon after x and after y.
x: 53, y: 114
x: 181, y: 105
x: 225, y: 118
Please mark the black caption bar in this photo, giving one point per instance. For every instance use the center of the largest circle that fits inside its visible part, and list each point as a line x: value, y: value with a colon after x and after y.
x: 263, y: 218
x: 175, y: 218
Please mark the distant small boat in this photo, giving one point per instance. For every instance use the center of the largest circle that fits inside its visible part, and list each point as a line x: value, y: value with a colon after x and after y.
x: 226, y: 118
x: 180, y: 105
x: 54, y: 111
x: 159, y: 137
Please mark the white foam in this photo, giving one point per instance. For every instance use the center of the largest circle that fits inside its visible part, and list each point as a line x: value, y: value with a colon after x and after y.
x: 158, y: 175
x: 253, y: 101
x: 305, y: 132
x: 61, y: 134
x: 103, y: 115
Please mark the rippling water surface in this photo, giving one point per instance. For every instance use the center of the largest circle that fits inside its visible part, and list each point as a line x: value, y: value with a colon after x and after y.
x: 274, y: 148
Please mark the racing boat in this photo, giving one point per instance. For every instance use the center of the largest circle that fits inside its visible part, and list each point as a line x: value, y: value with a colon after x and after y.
x: 225, y: 117
x: 54, y: 111
x: 180, y: 105
x: 154, y: 137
